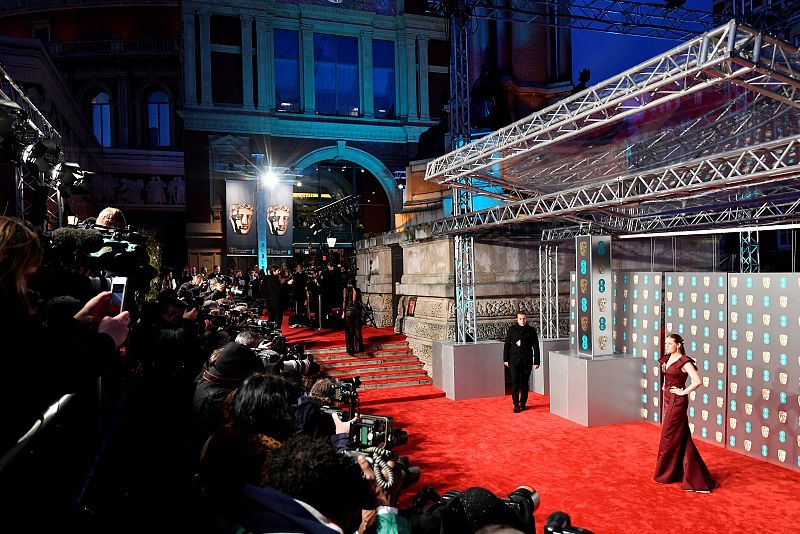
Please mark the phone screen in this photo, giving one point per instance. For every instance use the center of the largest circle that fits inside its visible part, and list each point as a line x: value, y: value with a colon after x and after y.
x: 115, y: 304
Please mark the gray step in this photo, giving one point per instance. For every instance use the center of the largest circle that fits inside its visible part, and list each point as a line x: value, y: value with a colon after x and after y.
x: 365, y: 370
x: 368, y: 347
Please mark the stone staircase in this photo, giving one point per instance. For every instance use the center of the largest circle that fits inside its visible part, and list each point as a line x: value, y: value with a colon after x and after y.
x: 381, y: 365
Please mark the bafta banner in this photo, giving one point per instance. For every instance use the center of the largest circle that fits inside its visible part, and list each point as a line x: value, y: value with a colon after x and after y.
x: 240, y: 212
x: 280, y: 235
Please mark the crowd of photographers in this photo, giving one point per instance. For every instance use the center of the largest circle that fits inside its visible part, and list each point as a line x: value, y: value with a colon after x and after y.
x: 214, y: 395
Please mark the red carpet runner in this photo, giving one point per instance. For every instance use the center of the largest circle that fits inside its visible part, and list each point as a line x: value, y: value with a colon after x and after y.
x: 601, y: 476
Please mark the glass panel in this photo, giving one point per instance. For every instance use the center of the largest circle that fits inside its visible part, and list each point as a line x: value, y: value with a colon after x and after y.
x: 336, y: 75
x: 287, y: 70
x: 383, y: 78
x: 101, y: 118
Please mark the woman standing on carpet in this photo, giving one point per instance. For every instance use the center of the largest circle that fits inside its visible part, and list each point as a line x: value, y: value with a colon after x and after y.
x: 351, y: 313
x: 678, y: 458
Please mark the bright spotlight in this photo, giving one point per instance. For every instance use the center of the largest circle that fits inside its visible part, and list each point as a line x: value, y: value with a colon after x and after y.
x: 299, y: 184
x: 269, y: 178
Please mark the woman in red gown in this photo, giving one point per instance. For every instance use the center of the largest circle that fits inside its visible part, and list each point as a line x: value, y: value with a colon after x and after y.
x: 678, y: 458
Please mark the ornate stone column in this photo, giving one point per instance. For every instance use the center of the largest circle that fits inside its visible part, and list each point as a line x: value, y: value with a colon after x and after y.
x: 205, y: 59
x: 307, y: 39
x: 189, y: 66
x: 265, y: 58
x: 367, y: 81
x: 424, y: 104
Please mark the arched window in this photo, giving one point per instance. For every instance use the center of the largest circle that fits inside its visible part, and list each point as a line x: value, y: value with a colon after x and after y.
x: 101, y: 118
x: 158, y: 119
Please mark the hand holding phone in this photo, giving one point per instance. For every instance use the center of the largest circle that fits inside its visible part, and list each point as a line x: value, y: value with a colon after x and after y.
x: 119, y: 286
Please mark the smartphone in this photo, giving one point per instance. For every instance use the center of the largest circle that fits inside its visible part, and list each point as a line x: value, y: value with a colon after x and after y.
x: 119, y: 286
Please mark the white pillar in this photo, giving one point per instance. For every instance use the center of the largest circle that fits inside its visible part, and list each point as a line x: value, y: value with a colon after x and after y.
x: 411, y: 76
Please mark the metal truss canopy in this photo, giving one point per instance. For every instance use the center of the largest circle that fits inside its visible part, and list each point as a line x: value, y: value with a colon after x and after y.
x: 718, y: 113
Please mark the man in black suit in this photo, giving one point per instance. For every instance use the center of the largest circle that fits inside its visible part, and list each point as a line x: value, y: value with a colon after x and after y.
x: 521, y: 355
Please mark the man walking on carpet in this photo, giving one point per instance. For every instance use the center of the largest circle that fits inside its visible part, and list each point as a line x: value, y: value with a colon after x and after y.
x: 521, y: 355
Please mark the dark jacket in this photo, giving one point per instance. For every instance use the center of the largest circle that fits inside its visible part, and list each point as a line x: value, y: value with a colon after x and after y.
x: 522, y: 346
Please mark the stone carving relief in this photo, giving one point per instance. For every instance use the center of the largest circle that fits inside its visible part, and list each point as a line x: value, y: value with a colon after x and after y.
x: 127, y: 191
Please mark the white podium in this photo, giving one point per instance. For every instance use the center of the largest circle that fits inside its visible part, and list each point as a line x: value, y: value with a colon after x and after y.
x: 592, y: 392
x: 468, y: 370
x: 540, y: 378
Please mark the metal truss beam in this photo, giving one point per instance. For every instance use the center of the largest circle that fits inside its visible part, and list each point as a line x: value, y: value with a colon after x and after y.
x: 733, y: 52
x: 768, y: 161
x: 749, y: 255
x: 38, y: 126
x: 766, y: 212
x: 548, y: 291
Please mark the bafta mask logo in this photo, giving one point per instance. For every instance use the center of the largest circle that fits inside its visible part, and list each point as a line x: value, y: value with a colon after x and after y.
x: 783, y: 300
x: 748, y: 299
x: 669, y: 296
x: 585, y: 324
x: 691, y: 428
x: 278, y: 219
x: 748, y: 335
x: 705, y: 381
x: 765, y: 432
x: 720, y: 367
x: 602, y: 341
x: 655, y: 405
x: 706, y: 281
x: 748, y: 445
x: 584, y: 285
x: 781, y: 455
x: 624, y: 321
x: 635, y: 337
x: 635, y: 279
x: 601, y: 304
x: 718, y: 436
x: 734, y: 282
x: 719, y: 402
x: 693, y: 297
x: 635, y: 308
x: 734, y: 387
x: 720, y: 299
x: 783, y: 378
x: 241, y: 218
x: 692, y: 395
x: 765, y: 282
x: 658, y: 279
x: 707, y: 315
x: 680, y: 281
x: 734, y: 317
x: 766, y: 319
x: 572, y: 328
x: 582, y: 247
x: 693, y: 329
x: 643, y: 413
x: 734, y: 352
x: 573, y: 303
x: 704, y: 415
x: 681, y: 313
x: 765, y: 394
x: 732, y: 423
x: 748, y: 372
x: 655, y: 371
x: 645, y: 294
x: 624, y: 293
x: 644, y: 323
x: 720, y: 333
x: 748, y: 409
x: 783, y: 339
x: 782, y: 417
x: 766, y: 356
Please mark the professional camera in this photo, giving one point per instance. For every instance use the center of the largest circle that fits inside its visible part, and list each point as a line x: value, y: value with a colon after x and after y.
x: 296, y: 361
x: 559, y: 523
x: 345, y: 389
x: 425, y: 513
x: 375, y: 431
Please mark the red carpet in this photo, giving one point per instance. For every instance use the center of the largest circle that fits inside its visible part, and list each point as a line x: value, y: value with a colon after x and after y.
x: 601, y: 477
x: 329, y: 337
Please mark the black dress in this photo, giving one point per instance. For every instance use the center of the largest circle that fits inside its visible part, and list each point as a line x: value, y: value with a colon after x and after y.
x: 352, y: 320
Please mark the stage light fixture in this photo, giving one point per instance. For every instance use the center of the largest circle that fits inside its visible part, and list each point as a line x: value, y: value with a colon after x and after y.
x: 331, y: 241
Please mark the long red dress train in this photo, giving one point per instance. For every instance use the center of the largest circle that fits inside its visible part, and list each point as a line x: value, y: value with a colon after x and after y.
x: 678, y: 458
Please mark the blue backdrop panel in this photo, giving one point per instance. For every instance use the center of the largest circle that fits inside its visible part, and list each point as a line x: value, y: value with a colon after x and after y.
x: 764, y: 367
x: 696, y: 306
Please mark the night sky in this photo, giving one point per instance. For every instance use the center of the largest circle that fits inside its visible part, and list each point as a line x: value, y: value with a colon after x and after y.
x: 607, y: 54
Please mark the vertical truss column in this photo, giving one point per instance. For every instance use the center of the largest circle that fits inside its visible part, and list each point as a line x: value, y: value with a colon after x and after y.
x: 749, y: 253
x: 463, y: 244
x: 548, y: 291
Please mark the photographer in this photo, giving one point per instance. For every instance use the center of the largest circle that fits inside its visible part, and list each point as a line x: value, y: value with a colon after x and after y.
x: 62, y: 356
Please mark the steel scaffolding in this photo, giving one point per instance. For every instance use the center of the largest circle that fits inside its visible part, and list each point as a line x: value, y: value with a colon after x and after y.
x: 548, y: 291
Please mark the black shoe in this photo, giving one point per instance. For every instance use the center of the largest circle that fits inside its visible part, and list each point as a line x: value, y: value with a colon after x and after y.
x: 516, y: 409
x: 524, y: 408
